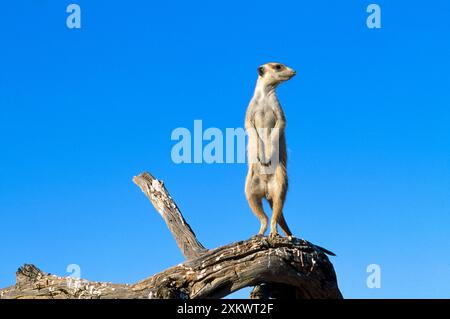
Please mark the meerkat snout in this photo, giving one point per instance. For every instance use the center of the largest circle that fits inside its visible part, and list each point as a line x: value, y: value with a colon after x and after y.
x: 275, y: 73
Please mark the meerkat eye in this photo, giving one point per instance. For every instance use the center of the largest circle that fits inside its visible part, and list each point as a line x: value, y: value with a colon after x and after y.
x: 278, y: 67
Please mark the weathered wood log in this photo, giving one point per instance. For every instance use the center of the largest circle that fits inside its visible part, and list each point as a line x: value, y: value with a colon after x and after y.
x: 279, y: 267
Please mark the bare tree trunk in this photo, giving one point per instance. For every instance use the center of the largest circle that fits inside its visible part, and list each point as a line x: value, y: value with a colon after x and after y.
x: 279, y: 267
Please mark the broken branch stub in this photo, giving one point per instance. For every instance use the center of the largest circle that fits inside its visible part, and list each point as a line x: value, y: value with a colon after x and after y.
x: 166, y: 207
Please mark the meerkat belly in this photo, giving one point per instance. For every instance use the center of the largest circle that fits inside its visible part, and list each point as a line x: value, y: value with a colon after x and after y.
x: 257, y: 182
x: 265, y: 118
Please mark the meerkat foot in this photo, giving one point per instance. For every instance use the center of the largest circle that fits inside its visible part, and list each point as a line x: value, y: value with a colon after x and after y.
x: 273, y: 235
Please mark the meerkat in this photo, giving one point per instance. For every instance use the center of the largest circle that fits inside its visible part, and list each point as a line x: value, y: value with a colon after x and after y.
x: 266, y: 151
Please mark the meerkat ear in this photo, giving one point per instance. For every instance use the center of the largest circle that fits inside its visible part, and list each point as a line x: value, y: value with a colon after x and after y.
x: 261, y: 71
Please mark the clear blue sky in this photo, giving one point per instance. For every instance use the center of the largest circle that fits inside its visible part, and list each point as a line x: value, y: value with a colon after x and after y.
x: 83, y: 111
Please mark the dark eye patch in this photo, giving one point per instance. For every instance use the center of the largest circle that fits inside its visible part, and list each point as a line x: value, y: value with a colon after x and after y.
x: 279, y: 67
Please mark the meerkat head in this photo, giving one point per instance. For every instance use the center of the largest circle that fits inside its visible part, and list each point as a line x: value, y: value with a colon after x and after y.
x: 275, y: 73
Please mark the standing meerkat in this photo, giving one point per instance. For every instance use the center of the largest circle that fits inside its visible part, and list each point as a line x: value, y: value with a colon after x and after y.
x: 265, y: 123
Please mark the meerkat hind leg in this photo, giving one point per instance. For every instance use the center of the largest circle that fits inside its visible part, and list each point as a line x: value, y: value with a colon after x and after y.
x: 277, y: 206
x: 282, y: 222
x: 257, y: 208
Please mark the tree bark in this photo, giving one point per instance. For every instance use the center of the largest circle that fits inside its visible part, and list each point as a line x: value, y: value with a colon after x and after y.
x: 278, y: 267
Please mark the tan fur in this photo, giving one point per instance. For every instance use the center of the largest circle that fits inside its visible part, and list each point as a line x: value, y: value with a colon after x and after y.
x: 265, y: 123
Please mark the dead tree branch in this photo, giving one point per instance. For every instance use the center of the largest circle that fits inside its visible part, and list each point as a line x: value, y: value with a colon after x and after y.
x: 277, y: 267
